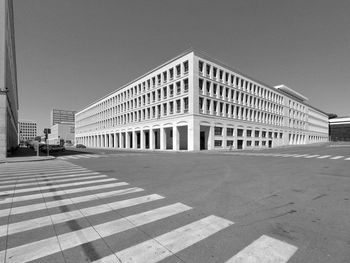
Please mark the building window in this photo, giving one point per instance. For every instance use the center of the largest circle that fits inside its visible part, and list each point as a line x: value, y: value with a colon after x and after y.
x: 270, y: 135
x: 249, y: 133
x: 256, y: 134
x: 200, y: 65
x: 178, y: 87
x: 229, y: 143
x: 171, y: 73
x: 276, y: 135
x: 263, y: 143
x: 185, y: 85
x: 239, y: 132
x: 249, y: 143
x: 281, y: 135
x: 185, y: 67
x: 217, y: 143
x: 229, y: 131
x: 208, y: 69
x: 185, y: 105
x: 256, y: 143
x: 178, y: 106
x: 218, y: 131
x: 178, y: 70
x: 263, y: 134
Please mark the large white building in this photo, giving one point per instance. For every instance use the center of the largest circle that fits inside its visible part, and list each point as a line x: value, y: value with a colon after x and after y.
x: 62, y: 131
x: 194, y: 102
x: 58, y: 116
x: 27, y: 130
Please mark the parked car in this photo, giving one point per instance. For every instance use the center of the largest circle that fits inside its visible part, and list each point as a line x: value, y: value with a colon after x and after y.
x: 80, y: 146
x: 52, y: 148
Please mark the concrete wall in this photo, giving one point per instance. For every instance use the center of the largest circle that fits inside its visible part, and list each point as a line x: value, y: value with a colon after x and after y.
x: 8, y: 80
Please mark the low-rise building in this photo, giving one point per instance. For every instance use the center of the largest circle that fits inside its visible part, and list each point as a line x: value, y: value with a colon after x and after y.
x: 194, y: 102
x: 62, y: 131
x: 27, y: 130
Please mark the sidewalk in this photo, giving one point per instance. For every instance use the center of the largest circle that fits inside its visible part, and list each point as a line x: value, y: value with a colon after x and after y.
x: 25, y: 155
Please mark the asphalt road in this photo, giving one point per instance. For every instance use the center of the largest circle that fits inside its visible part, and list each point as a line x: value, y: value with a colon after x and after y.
x: 276, y: 205
x: 302, y: 201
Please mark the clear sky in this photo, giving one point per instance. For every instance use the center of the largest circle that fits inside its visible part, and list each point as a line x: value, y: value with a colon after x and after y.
x: 72, y: 52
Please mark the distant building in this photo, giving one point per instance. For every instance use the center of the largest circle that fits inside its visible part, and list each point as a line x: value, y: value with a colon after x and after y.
x: 62, y: 131
x: 194, y: 102
x: 339, y: 129
x: 8, y: 80
x: 27, y: 130
x: 58, y: 116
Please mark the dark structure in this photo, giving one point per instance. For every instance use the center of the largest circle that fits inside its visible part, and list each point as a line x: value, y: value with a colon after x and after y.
x: 339, y: 129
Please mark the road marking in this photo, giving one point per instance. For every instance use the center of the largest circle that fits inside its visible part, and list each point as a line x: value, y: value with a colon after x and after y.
x: 49, y: 246
x: 76, y: 214
x: 300, y: 155
x: 56, y: 181
x: 46, y: 171
x: 163, y: 246
x: 49, y: 178
x: 324, y: 156
x: 16, y: 191
x: 312, y: 156
x: 21, y: 177
x: 336, y: 157
x: 68, y: 201
x: 348, y: 159
x: 265, y: 250
x: 61, y: 192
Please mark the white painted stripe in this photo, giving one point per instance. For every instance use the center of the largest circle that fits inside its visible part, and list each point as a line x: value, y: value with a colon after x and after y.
x: 68, y: 201
x: 49, y: 178
x: 62, y: 158
x: 55, y: 186
x: 28, y: 167
x: 49, y: 246
x: 348, y: 159
x: 71, y: 157
x: 61, y: 192
x: 265, y: 250
x: 336, y: 157
x: 163, y: 246
x: 300, y: 155
x: 312, y: 156
x: 81, y: 156
x: 323, y: 157
x: 56, y: 181
x: 46, y: 171
x: 42, y: 174
x: 76, y: 214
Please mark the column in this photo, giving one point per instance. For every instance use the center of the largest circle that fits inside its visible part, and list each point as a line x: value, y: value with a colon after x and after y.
x: 142, y: 140
x: 162, y: 139
x: 116, y: 140
x: 176, y: 144
x: 134, y: 140
x: 151, y: 139
x: 211, y: 138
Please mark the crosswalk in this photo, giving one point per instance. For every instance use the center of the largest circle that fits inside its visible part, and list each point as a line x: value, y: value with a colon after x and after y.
x: 87, y: 156
x: 39, y: 200
x: 293, y: 155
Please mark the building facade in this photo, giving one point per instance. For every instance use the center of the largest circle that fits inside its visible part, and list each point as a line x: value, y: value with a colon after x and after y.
x: 62, y: 131
x: 339, y: 129
x: 194, y: 102
x: 8, y: 81
x: 27, y: 130
x: 58, y: 116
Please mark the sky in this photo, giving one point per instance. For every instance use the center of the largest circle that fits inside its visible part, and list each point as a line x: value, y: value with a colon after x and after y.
x: 73, y: 52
